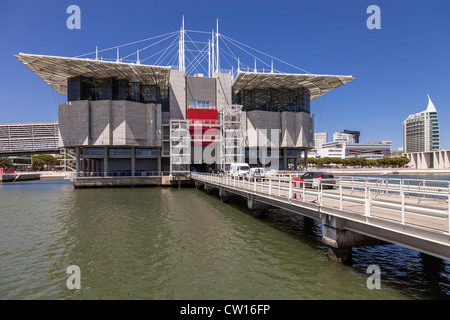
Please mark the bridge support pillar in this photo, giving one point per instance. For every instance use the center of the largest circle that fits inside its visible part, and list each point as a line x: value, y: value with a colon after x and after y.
x: 224, y: 195
x: 208, y: 188
x: 259, y: 209
x: 340, y: 241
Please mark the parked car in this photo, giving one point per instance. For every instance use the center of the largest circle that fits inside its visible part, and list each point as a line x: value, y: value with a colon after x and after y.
x: 256, y: 173
x: 239, y: 169
x: 313, y: 179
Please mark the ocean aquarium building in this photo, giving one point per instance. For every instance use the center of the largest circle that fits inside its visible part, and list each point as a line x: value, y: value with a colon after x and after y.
x: 125, y: 117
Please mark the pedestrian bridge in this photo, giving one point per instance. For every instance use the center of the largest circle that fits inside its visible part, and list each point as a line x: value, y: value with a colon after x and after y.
x: 355, y: 211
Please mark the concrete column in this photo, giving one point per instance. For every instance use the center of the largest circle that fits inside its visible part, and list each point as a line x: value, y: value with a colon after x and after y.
x: 208, y: 189
x: 77, y: 160
x: 224, y: 196
x: 159, y: 160
x: 259, y: 209
x: 306, y: 159
x: 133, y: 161
x: 105, y: 162
x: 88, y: 169
x: 83, y: 166
x: 284, y: 159
x: 340, y: 241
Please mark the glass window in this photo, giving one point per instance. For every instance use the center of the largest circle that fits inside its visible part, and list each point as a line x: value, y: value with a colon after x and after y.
x: 103, y: 89
x: 293, y: 152
x: 275, y: 100
x: 150, y: 94
x: 73, y: 89
x: 94, y: 151
x: 201, y: 104
x: 135, y: 91
x: 89, y: 88
x: 120, y: 89
x: 119, y: 152
x: 146, y: 152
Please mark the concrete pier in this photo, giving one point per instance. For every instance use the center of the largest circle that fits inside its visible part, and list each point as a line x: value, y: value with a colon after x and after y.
x: 109, y: 182
x: 340, y: 240
x: 259, y: 209
x: 19, y: 177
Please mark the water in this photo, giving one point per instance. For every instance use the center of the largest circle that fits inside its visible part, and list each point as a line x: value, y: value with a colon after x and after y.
x: 165, y: 243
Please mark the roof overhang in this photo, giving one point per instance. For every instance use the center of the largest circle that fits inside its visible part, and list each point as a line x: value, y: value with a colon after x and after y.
x: 318, y: 85
x: 56, y: 70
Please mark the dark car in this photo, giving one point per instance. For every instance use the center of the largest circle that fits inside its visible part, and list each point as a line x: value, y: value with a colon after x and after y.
x: 314, y: 179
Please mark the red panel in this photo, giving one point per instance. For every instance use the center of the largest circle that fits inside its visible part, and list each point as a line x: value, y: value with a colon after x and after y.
x: 7, y: 170
x: 202, y: 114
x: 207, y: 116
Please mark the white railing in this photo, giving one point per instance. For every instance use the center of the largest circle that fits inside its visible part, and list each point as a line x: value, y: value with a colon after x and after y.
x: 398, y: 202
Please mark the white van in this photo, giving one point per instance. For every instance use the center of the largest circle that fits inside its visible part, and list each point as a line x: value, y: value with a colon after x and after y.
x: 256, y: 173
x: 239, y: 169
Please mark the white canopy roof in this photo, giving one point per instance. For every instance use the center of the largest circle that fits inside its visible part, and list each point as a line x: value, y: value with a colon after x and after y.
x: 318, y: 85
x: 56, y: 70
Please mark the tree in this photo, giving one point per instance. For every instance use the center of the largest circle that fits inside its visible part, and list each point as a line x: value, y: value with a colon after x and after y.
x: 401, y: 161
x: 5, y: 163
x: 41, y: 160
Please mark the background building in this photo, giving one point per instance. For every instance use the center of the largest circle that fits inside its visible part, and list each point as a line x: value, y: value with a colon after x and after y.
x: 355, y: 134
x: 343, y: 137
x: 370, y: 150
x: 319, y: 139
x: 421, y: 131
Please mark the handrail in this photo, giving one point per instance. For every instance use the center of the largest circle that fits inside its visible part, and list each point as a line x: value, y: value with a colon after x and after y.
x: 348, y: 194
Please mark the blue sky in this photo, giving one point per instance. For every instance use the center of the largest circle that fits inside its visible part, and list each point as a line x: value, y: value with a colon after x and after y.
x: 396, y: 66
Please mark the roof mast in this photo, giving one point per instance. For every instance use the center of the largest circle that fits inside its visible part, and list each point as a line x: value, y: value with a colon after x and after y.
x: 181, y: 55
x: 217, y: 46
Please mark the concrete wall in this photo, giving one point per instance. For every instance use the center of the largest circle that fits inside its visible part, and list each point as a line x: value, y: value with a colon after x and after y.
x: 259, y: 126
x: 200, y: 89
x: 110, y: 123
x: 177, y: 95
x: 223, y: 90
x: 294, y: 128
x: 73, y: 119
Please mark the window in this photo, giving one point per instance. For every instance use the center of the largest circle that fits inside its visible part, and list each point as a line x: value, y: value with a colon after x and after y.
x: 103, y: 89
x: 275, y: 100
x: 94, y: 151
x: 135, y: 91
x: 119, y: 152
x: 146, y: 152
x: 89, y: 88
x: 201, y: 104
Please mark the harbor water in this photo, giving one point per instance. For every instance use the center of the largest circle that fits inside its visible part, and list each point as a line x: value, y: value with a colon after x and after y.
x: 169, y: 243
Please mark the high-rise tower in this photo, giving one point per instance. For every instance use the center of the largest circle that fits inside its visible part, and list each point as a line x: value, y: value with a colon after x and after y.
x: 421, y: 130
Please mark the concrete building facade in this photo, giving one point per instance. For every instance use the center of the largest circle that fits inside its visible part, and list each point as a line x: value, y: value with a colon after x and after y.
x: 132, y: 119
x: 439, y: 159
